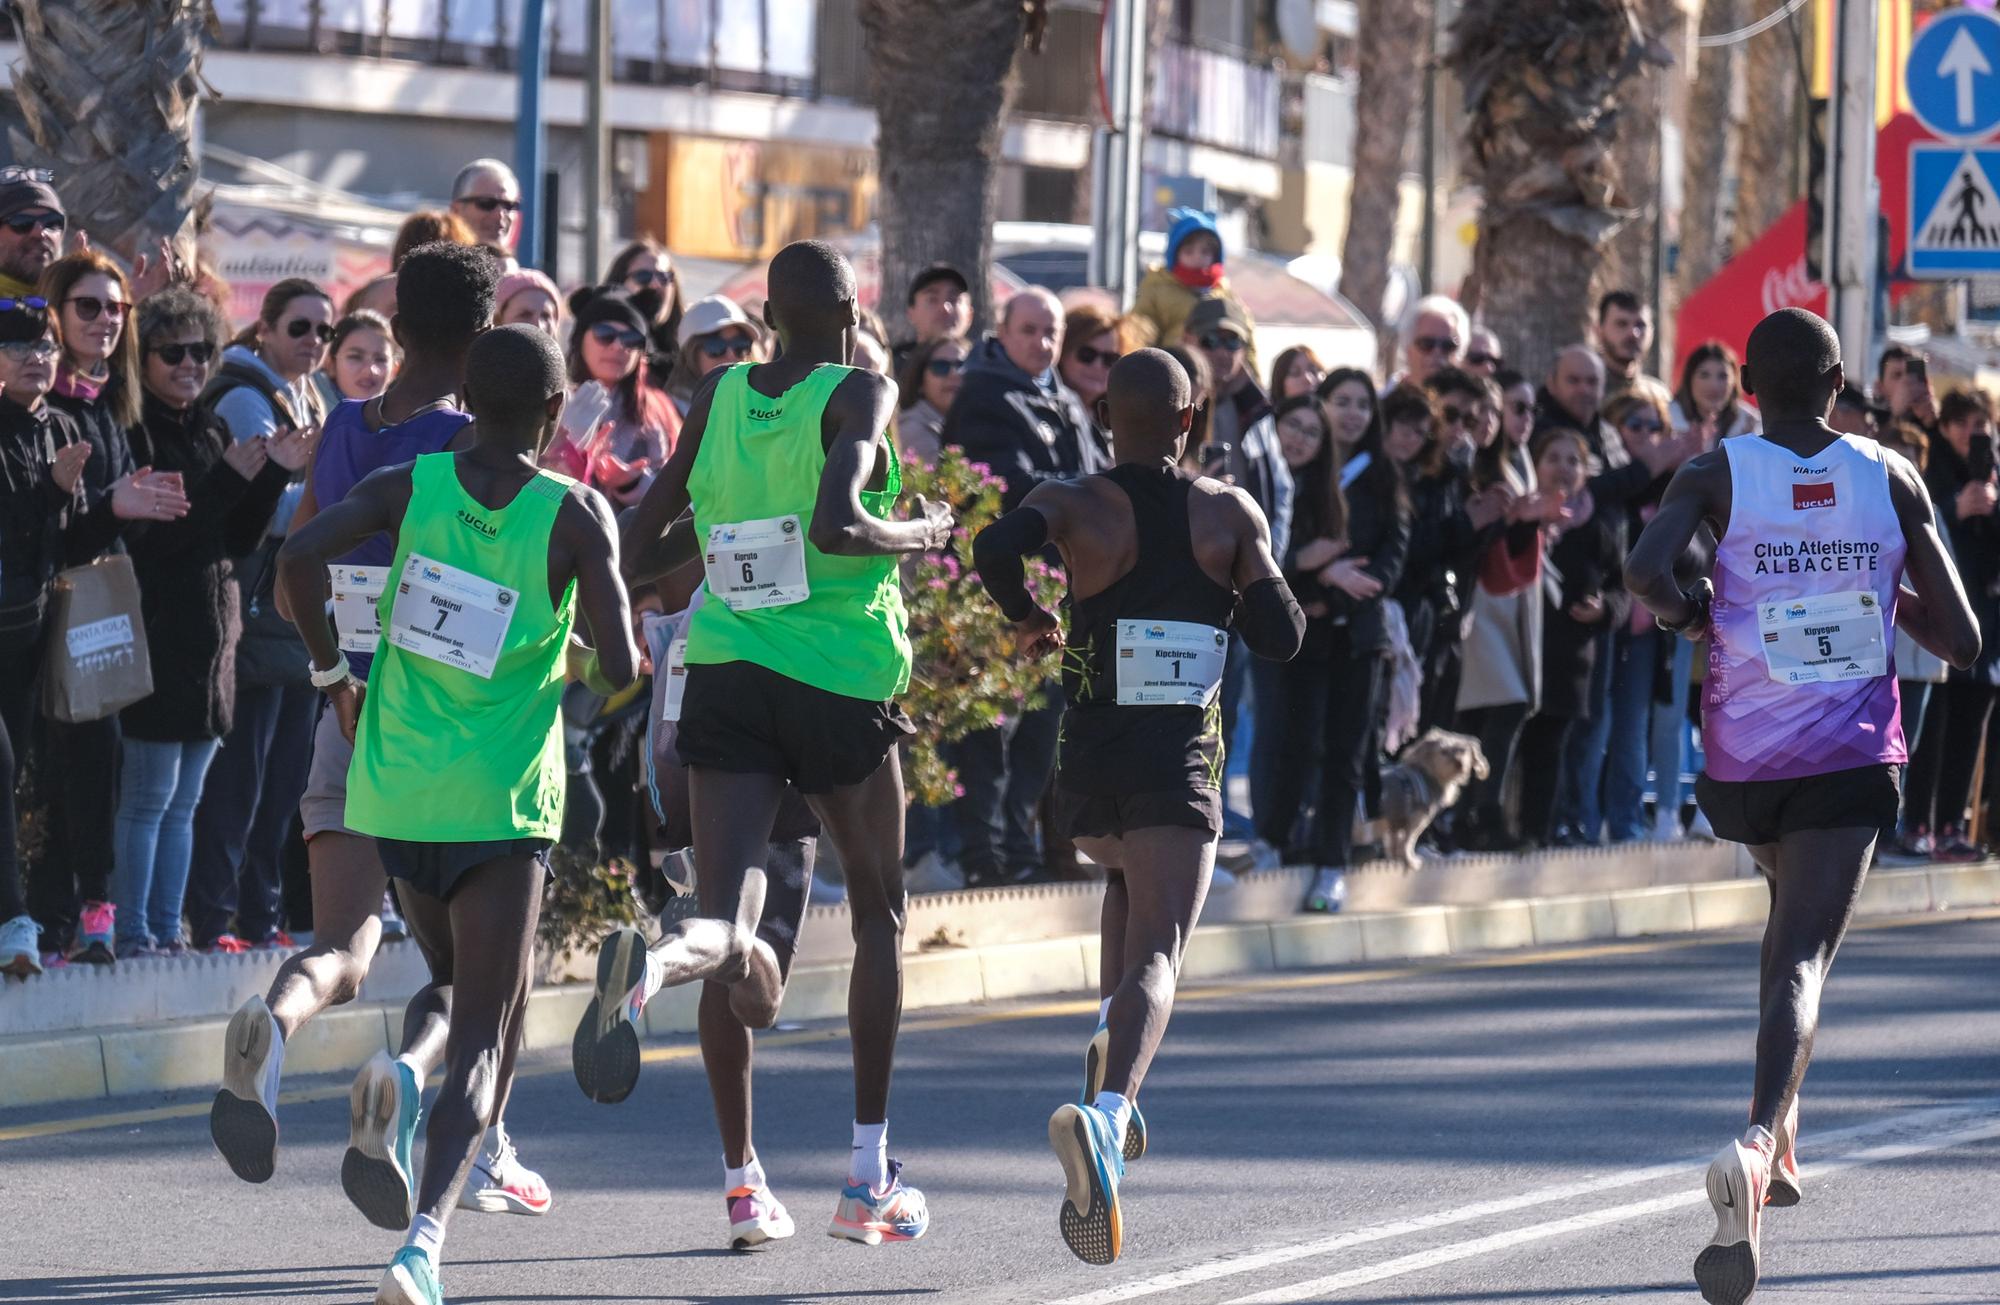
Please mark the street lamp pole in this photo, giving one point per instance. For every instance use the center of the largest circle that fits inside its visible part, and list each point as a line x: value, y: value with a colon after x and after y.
x: 529, y: 136
x: 1849, y: 258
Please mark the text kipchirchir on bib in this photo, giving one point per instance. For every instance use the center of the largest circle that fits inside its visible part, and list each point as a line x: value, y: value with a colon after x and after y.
x: 1169, y: 663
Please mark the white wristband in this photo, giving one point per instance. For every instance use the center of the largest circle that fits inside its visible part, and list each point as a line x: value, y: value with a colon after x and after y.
x: 331, y: 676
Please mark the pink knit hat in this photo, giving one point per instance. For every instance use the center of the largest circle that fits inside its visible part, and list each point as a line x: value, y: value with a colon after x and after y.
x: 526, y: 279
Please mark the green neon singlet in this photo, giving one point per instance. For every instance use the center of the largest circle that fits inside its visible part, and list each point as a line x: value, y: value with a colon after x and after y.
x: 759, y: 467
x: 460, y: 737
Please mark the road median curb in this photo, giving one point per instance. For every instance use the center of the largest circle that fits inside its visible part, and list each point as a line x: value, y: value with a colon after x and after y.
x: 44, y: 1069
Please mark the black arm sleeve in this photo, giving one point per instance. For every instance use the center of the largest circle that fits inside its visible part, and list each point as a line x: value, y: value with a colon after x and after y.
x: 997, y: 552
x: 1269, y: 619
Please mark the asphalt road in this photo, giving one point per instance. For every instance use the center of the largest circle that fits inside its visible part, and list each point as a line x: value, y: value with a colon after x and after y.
x: 1529, y: 1128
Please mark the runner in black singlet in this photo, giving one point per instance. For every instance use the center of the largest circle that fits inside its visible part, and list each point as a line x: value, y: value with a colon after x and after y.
x: 1156, y: 560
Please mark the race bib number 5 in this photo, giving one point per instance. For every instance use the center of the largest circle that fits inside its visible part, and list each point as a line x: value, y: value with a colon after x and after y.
x: 757, y: 564
x: 1824, y: 639
x: 355, y: 591
x: 1169, y: 663
x: 451, y: 616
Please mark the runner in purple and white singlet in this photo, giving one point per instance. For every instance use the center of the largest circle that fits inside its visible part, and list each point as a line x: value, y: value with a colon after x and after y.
x: 1818, y: 536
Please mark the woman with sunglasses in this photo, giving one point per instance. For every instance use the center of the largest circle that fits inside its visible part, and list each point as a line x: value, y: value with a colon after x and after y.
x: 716, y: 333
x: 625, y: 449
x: 929, y: 382
x: 644, y: 270
x: 48, y: 519
x: 189, y: 603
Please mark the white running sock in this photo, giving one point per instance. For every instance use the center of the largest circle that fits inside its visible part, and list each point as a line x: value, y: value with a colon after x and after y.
x: 427, y: 1235
x: 1103, y: 1012
x: 1120, y: 1111
x: 416, y: 1069
x: 656, y: 976
x: 870, y: 1164
x: 750, y: 1175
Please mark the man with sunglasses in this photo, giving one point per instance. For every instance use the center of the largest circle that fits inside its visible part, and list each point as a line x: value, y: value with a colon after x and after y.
x: 487, y: 196
x: 31, y: 229
x: 1434, y: 332
x: 1483, y: 354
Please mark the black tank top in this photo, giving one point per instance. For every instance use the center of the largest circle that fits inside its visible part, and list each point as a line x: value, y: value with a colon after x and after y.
x: 1109, y: 749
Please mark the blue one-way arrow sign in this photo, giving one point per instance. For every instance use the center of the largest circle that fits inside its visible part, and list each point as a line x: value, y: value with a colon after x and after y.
x: 1953, y: 74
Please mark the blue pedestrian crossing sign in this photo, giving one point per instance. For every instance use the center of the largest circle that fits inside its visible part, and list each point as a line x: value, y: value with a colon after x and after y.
x: 1953, y: 74
x: 1954, y: 210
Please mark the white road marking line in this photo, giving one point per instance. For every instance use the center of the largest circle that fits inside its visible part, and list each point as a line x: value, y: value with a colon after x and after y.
x: 1319, y: 1288
x: 1257, y: 1261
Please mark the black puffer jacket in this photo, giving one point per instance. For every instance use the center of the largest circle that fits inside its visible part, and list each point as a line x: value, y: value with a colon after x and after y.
x: 187, y: 588
x: 33, y: 517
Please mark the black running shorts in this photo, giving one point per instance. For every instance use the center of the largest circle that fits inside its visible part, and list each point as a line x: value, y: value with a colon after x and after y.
x: 747, y: 718
x: 1089, y: 815
x: 434, y: 869
x: 1760, y: 811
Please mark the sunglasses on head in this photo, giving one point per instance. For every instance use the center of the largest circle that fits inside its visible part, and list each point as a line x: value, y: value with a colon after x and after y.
x: 1222, y: 340
x: 647, y: 276
x: 1483, y: 359
x: 613, y: 333
x: 1090, y: 356
x: 488, y: 203
x: 173, y: 355
x: 24, y: 350
x: 298, y: 326
x: 1443, y: 344
x: 943, y: 367
x: 89, y: 307
x: 715, y: 346
x: 23, y: 223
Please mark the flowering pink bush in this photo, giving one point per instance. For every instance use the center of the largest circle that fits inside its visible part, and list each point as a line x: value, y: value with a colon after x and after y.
x: 965, y: 677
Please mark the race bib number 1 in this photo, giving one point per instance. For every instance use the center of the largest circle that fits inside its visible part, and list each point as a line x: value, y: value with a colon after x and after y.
x: 677, y: 679
x: 1169, y: 663
x: 355, y: 591
x: 752, y: 565
x: 451, y: 616
x: 1824, y: 639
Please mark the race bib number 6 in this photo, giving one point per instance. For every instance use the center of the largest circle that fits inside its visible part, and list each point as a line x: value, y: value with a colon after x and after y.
x: 1824, y: 639
x: 1169, y: 663
x: 453, y: 617
x: 753, y: 565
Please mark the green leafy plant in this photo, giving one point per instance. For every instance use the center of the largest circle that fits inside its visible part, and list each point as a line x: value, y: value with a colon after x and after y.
x: 964, y: 677
x: 585, y: 899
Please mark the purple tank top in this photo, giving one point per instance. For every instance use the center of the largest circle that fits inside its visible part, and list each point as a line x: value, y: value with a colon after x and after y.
x: 349, y: 451
x: 1802, y: 667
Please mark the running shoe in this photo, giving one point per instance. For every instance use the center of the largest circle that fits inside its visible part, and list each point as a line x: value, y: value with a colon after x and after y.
x: 1264, y: 857
x: 1093, y: 1083
x: 393, y: 928
x: 376, y: 1173
x: 244, y: 1117
x: 500, y: 1183
x: 1726, y: 1269
x: 97, y: 929
x: 277, y: 941
x: 756, y: 1217
x: 1953, y: 845
x: 1081, y: 1137
x: 1329, y: 891
x: 20, y: 947
x: 410, y: 1279
x: 1785, y: 1185
x: 895, y: 1214
x: 604, y: 1054
x: 227, y: 945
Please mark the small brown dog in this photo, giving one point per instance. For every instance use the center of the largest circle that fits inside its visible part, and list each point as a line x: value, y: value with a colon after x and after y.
x: 1432, y: 773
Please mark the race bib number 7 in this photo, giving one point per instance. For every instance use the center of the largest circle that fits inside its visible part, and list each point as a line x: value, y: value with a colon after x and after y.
x: 453, y: 617
x: 1824, y: 639
x: 1169, y: 663
x: 752, y: 565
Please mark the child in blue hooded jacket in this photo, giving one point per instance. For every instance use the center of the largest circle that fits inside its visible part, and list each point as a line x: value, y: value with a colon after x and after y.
x: 1193, y: 271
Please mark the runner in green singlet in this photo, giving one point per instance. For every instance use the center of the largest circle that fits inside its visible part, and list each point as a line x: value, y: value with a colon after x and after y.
x: 458, y: 765
x: 793, y: 664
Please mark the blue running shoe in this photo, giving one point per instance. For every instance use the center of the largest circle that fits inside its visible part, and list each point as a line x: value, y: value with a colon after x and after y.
x: 1093, y: 1082
x: 898, y: 1214
x: 1081, y: 1137
x: 376, y: 1173
x: 410, y: 1279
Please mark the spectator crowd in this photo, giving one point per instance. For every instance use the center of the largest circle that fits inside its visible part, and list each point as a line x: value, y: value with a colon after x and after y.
x: 1455, y: 532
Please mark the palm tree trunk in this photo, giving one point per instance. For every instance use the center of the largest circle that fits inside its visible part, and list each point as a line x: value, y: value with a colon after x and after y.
x: 939, y: 75
x: 109, y: 89
x: 1542, y: 90
x: 1391, y: 59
